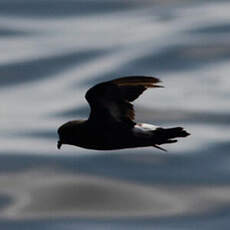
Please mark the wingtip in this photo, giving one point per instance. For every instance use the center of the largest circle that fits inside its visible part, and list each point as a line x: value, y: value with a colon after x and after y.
x: 137, y: 79
x: 158, y: 86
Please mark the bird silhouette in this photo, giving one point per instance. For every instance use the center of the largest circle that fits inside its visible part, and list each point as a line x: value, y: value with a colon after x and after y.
x: 111, y: 122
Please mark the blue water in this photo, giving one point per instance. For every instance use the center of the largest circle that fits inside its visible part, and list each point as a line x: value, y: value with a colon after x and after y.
x: 52, y: 51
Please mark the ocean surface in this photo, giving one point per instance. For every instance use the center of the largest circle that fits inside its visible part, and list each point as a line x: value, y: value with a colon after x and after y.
x: 52, y: 51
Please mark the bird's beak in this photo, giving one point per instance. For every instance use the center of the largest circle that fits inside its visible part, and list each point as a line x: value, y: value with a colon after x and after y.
x: 59, y: 144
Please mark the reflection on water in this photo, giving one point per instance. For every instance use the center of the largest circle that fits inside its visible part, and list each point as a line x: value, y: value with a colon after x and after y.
x: 43, y: 67
x: 51, y: 52
x: 61, y: 195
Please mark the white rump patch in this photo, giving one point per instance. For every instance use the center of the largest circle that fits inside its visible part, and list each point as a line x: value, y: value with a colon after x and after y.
x: 144, y: 129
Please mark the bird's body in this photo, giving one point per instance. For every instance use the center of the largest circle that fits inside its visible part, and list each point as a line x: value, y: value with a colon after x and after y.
x: 102, y: 136
x: 111, y: 122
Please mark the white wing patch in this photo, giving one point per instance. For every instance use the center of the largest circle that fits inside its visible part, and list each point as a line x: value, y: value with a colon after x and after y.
x: 143, y: 129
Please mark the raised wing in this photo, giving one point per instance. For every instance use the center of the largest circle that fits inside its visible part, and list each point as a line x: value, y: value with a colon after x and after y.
x: 110, y: 101
x: 132, y: 87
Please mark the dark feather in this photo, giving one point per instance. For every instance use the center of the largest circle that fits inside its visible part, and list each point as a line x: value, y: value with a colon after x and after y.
x: 111, y: 100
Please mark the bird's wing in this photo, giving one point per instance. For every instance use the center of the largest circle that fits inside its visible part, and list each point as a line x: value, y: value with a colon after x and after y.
x: 110, y: 101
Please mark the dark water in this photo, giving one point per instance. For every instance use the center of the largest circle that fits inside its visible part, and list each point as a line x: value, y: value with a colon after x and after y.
x: 52, y: 51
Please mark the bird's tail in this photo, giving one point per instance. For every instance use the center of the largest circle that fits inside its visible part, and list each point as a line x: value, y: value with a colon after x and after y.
x: 167, y: 136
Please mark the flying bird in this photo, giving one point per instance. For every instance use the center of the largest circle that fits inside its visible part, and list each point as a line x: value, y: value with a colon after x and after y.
x: 111, y: 122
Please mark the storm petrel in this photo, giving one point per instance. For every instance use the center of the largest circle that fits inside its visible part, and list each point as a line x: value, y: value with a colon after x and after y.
x: 111, y: 122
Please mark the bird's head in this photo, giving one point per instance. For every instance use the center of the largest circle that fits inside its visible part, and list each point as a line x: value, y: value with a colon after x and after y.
x: 68, y: 133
